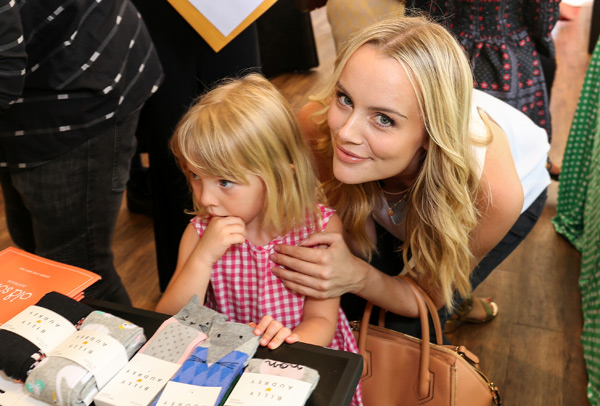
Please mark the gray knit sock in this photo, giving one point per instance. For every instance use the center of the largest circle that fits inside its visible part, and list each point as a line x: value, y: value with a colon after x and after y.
x: 227, y: 337
x: 177, y: 337
x: 58, y: 380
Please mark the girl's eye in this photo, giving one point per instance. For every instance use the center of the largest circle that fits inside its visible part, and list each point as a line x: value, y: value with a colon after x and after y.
x: 226, y: 183
x: 384, y: 120
x: 194, y: 176
x: 343, y: 99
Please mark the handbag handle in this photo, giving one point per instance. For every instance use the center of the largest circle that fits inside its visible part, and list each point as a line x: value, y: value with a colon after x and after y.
x: 424, y: 303
x: 430, y: 306
x: 437, y: 325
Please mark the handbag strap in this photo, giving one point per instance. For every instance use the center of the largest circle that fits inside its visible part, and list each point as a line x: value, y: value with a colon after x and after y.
x: 424, y: 303
x: 430, y: 306
x: 437, y: 325
x: 423, y: 384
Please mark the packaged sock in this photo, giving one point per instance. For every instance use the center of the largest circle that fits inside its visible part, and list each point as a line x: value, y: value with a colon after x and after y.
x: 270, y: 382
x: 177, y: 336
x: 216, y: 363
x: 158, y: 361
x: 294, y: 371
x: 286, y: 369
x: 74, y: 372
x: 51, y: 320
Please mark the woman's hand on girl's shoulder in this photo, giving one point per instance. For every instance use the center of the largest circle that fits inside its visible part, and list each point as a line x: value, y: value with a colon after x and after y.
x: 273, y: 333
x: 319, y: 273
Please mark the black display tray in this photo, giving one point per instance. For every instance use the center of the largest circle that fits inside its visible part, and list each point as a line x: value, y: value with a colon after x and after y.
x: 339, y: 371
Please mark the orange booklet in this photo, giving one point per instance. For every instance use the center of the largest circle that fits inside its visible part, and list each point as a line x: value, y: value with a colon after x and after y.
x: 25, y: 278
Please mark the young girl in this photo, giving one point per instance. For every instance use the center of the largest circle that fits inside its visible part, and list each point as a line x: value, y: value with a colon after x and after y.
x: 253, y: 186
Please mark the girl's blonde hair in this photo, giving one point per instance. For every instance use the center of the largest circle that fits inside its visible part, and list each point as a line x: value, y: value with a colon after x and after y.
x: 441, y: 209
x: 245, y: 126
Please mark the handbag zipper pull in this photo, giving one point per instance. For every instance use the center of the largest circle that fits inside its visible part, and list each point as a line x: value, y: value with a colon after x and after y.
x: 474, y: 361
x: 467, y: 355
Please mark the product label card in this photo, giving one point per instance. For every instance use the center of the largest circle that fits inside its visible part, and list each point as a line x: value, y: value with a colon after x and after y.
x: 10, y: 396
x: 177, y: 393
x: 138, y: 383
x: 97, y: 352
x: 42, y: 327
x: 11, y: 399
x: 268, y: 390
x: 13, y: 394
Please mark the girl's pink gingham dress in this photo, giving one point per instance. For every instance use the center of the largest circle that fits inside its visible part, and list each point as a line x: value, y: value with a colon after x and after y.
x: 243, y: 287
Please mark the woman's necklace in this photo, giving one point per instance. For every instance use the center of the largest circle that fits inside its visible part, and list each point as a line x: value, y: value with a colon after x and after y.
x: 403, y: 194
x: 390, y: 210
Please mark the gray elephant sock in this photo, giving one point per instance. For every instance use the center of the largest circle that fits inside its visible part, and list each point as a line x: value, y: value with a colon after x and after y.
x: 59, y: 380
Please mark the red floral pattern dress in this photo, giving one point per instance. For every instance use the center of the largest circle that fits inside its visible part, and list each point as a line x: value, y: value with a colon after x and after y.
x: 504, y: 40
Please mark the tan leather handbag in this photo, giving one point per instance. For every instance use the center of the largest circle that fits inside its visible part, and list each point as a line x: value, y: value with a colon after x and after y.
x: 403, y: 370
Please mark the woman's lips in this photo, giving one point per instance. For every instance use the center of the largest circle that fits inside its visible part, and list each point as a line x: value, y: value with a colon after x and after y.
x: 347, y: 156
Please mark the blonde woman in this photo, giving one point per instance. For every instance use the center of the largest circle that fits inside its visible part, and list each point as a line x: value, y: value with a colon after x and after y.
x: 430, y: 177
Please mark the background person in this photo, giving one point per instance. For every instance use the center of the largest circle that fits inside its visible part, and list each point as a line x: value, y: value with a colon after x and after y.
x: 73, y: 78
x: 191, y: 67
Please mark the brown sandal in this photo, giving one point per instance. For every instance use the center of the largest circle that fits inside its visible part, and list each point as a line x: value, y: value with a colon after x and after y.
x: 462, y: 314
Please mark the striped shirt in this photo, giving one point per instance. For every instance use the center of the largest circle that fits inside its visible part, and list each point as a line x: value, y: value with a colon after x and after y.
x: 69, y: 69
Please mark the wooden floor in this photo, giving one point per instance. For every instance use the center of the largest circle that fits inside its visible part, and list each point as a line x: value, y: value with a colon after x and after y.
x: 532, y: 350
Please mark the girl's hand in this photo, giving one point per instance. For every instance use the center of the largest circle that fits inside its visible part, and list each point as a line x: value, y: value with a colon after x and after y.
x: 320, y: 273
x: 273, y: 333
x: 220, y: 234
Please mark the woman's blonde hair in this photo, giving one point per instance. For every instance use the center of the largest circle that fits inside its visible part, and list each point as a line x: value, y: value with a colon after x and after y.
x: 245, y: 126
x: 441, y: 209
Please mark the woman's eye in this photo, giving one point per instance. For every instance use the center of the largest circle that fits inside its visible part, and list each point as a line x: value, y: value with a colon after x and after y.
x: 194, y: 176
x: 384, y: 120
x: 343, y: 99
x: 226, y: 183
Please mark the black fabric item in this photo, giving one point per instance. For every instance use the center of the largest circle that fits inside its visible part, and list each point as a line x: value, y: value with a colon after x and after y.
x: 549, y: 69
x: 286, y: 40
x: 18, y: 355
x: 191, y: 67
x: 389, y: 261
